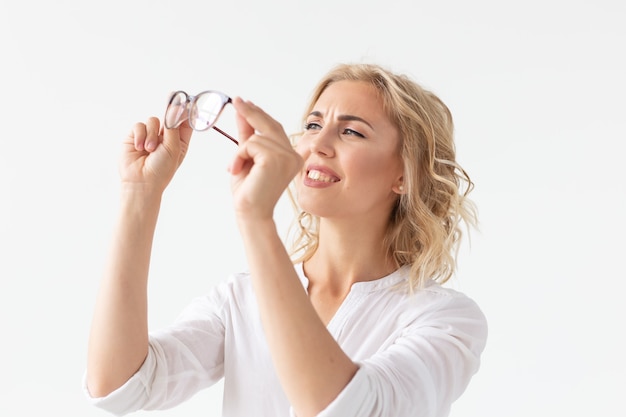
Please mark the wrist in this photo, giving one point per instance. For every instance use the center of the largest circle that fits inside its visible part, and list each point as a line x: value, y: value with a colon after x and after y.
x: 256, y: 226
x: 140, y: 192
x: 140, y: 199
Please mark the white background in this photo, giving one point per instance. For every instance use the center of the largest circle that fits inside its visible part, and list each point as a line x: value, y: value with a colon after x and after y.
x: 538, y: 92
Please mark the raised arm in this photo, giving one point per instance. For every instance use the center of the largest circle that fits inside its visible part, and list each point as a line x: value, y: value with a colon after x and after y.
x: 310, y: 364
x: 118, y: 342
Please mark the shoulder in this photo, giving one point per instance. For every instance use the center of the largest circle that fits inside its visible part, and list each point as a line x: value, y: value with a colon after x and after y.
x: 432, y: 297
x: 437, y: 297
x: 439, y: 306
x: 437, y: 311
x: 393, y: 305
x: 447, y: 298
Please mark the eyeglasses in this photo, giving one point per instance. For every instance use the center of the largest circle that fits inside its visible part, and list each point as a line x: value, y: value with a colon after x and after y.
x: 201, y: 110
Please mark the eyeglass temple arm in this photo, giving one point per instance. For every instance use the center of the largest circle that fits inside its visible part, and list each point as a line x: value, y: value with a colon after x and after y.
x: 226, y: 134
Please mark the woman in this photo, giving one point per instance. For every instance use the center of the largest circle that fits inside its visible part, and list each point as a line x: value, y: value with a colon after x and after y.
x: 355, y: 321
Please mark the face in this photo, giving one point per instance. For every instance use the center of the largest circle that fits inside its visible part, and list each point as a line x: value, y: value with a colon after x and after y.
x: 351, y: 151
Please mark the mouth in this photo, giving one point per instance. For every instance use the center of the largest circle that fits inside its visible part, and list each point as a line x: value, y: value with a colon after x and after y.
x: 319, y: 176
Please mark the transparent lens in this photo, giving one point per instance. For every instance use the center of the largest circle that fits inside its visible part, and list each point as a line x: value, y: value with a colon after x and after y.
x: 175, y: 113
x: 205, y: 110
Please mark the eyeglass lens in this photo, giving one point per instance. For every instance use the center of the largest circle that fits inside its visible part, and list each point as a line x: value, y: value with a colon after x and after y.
x: 205, y: 109
x: 176, y: 110
x: 201, y: 110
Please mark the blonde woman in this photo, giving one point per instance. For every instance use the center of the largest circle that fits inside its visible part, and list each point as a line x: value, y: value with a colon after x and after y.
x: 354, y: 320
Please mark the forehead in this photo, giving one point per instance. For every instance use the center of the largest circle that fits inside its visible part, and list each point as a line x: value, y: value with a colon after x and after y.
x: 352, y: 97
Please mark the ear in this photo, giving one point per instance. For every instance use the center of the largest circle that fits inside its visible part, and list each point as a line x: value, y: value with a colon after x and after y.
x: 398, y: 188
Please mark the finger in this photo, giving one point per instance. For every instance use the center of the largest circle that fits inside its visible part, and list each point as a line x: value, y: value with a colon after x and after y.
x: 251, y: 150
x: 256, y: 119
x: 137, y: 136
x: 243, y: 127
x: 153, y: 128
x: 239, y: 160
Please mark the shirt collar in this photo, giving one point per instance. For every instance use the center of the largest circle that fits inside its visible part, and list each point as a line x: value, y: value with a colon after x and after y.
x: 399, y: 276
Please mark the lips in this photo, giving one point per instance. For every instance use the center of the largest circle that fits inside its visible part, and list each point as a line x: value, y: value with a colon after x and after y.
x: 316, y: 175
x: 320, y: 176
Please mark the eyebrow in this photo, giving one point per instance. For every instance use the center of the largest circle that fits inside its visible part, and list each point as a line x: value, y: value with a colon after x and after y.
x: 344, y: 117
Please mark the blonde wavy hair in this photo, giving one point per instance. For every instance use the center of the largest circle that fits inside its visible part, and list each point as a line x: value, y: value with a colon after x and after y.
x: 425, y: 225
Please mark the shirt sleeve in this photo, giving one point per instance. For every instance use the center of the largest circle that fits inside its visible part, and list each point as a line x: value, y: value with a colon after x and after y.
x: 182, y: 359
x: 424, y: 371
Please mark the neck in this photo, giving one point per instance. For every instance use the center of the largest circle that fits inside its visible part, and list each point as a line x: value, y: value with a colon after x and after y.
x: 346, y: 254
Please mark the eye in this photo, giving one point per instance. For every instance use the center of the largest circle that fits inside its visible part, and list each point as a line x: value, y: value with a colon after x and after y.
x: 312, y: 126
x: 353, y: 132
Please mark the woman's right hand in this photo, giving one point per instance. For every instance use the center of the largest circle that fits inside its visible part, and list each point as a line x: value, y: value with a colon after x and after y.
x: 152, y: 154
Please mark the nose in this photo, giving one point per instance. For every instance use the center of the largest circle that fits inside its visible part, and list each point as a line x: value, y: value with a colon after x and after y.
x: 322, y: 143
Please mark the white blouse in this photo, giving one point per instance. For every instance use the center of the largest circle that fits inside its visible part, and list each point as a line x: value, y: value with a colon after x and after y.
x: 416, y: 353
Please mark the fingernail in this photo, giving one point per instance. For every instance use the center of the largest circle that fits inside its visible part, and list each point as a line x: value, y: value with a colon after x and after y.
x: 150, y: 146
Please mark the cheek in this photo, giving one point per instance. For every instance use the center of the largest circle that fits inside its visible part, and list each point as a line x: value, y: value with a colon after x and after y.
x: 366, y: 164
x: 377, y: 169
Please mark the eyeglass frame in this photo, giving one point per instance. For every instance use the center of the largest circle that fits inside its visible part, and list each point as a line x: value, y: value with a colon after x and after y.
x: 189, y: 102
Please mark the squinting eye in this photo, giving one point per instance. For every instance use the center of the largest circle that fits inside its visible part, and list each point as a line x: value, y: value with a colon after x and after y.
x: 353, y: 132
x: 311, y: 126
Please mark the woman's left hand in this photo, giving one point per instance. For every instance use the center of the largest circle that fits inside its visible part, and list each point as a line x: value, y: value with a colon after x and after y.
x: 264, y: 164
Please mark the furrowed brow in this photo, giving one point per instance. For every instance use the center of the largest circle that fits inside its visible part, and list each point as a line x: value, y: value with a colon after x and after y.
x: 349, y: 118
x: 344, y: 118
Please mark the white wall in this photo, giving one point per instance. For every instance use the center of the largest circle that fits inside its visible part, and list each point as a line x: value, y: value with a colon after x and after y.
x: 538, y: 92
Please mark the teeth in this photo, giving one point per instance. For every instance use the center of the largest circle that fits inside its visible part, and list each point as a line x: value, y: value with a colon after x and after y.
x: 319, y: 176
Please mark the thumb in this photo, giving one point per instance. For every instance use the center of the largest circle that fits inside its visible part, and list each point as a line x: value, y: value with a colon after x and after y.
x: 184, y: 132
x: 176, y: 141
